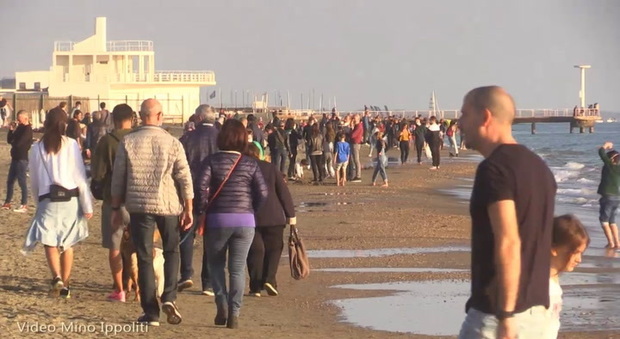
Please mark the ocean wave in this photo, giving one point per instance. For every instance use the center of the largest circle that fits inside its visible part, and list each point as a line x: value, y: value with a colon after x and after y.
x: 564, y: 175
x: 577, y: 191
x: 586, y: 181
x: 574, y: 200
x: 574, y: 165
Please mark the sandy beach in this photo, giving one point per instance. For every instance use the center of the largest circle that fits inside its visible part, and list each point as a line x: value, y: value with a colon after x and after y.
x: 410, y: 214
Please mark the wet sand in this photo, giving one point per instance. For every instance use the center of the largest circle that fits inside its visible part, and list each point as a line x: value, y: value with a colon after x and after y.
x: 409, y: 214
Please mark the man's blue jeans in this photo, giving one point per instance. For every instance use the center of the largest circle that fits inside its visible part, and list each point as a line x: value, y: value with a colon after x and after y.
x: 142, y: 229
x: 17, y: 171
x: 236, y: 241
x: 187, y: 255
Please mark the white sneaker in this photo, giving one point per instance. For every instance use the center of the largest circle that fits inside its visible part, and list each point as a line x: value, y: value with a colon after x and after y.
x: 21, y: 209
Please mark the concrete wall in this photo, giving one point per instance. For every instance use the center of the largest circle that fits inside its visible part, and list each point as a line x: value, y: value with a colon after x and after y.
x: 30, y: 78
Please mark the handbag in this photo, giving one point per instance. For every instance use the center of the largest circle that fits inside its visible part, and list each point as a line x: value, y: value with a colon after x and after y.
x: 200, y: 230
x: 298, y: 259
x: 57, y: 192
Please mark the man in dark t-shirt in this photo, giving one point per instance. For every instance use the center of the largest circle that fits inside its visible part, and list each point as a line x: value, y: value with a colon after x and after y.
x: 511, y: 207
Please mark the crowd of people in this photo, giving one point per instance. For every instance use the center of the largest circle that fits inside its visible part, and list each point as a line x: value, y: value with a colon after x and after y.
x: 215, y: 182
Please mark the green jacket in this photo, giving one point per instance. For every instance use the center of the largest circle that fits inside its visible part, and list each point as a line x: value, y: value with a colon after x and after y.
x: 610, y: 176
x: 102, y: 160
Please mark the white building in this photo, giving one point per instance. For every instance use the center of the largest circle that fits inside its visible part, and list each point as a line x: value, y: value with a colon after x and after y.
x: 116, y: 72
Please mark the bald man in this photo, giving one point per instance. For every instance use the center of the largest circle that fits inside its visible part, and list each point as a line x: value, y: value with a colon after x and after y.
x: 152, y: 178
x: 511, y: 208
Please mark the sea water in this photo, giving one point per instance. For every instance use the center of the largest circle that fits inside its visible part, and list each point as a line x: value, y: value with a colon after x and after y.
x: 575, y: 163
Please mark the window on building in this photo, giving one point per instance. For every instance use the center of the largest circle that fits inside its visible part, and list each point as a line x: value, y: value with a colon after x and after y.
x: 22, y: 86
x: 37, y: 86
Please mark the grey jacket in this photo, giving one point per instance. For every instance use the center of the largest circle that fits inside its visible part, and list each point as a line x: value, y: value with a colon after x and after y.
x: 150, y: 164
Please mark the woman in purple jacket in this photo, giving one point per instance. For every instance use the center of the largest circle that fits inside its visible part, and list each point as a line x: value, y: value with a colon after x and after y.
x: 230, y: 216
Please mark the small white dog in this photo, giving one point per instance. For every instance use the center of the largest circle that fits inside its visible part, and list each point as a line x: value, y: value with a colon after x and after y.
x: 158, y: 266
x: 299, y: 169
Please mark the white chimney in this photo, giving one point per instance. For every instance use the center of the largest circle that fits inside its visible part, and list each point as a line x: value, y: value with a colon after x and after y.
x: 100, y: 32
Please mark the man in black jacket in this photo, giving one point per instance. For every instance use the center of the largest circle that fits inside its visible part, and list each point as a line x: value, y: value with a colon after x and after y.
x: 198, y: 144
x: 20, y: 138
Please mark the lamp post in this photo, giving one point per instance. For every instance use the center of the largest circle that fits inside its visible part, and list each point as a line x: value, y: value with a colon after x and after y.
x: 582, y: 92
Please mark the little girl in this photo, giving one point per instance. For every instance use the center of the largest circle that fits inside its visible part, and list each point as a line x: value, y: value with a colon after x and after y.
x: 570, y: 240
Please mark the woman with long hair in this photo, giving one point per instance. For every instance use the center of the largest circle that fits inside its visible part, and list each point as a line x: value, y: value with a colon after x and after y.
x: 328, y: 150
x: 232, y: 189
x: 381, y: 160
x: 316, y: 153
x: 58, y: 180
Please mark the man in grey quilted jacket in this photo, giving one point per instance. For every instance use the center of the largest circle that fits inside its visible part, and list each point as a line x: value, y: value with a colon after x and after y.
x: 151, y: 177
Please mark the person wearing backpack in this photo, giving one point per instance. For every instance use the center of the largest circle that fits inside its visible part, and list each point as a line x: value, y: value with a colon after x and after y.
x: 102, y: 164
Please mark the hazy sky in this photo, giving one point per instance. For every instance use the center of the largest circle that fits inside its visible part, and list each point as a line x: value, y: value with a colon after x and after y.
x: 363, y: 52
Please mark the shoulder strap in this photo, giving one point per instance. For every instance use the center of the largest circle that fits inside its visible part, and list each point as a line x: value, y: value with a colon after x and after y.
x: 114, y: 136
x: 224, y: 181
x: 43, y: 161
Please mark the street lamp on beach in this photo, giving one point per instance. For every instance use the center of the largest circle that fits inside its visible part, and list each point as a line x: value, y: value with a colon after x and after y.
x: 582, y: 92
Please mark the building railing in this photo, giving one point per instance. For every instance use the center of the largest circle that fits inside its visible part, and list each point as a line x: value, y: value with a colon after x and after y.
x: 130, y: 46
x: 111, y: 46
x: 63, y: 46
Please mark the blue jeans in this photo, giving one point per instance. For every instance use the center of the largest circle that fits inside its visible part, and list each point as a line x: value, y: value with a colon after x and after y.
x: 609, y: 206
x: 380, y: 168
x: 17, y: 171
x: 236, y: 241
x: 142, y: 229
x: 531, y: 324
x: 187, y: 255
x: 278, y: 158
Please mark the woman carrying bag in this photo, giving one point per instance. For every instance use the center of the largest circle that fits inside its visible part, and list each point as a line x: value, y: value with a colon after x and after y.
x: 271, y: 219
x: 58, y: 180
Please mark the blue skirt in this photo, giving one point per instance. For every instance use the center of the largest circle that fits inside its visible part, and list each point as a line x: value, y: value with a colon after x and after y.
x: 57, y: 224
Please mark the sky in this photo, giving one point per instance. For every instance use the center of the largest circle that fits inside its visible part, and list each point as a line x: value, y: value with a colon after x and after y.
x: 390, y: 52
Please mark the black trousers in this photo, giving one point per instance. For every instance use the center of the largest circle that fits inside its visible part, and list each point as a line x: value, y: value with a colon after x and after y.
x: 419, y: 148
x: 435, y: 147
x: 404, y: 151
x: 142, y: 229
x: 318, y: 170
x: 291, y: 164
x: 264, y: 256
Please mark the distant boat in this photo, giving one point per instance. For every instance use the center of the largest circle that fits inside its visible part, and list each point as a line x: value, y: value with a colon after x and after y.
x: 611, y: 120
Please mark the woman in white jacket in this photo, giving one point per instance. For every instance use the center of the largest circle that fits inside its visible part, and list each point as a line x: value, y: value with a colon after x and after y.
x: 58, y: 180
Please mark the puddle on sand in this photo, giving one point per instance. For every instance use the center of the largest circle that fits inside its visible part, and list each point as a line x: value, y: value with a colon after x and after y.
x: 382, y: 252
x: 583, y: 278
x: 335, y: 193
x: 392, y: 270
x: 425, y: 307
x: 438, y: 307
x: 308, y: 206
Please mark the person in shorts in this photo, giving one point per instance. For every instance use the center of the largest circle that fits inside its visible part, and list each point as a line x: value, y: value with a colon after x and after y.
x: 341, y: 158
x: 610, y: 193
x: 101, y: 166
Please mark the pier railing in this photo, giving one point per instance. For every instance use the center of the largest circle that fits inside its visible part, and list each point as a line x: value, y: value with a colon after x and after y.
x: 455, y: 114
x: 171, y: 77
